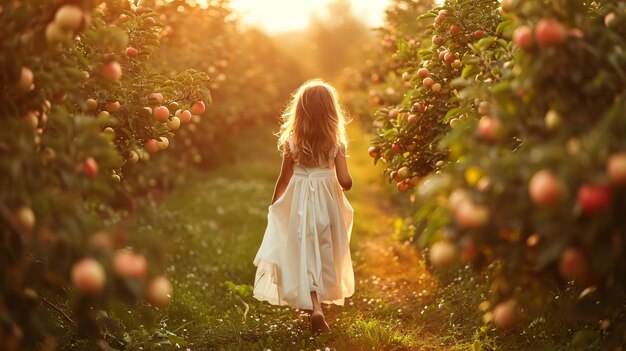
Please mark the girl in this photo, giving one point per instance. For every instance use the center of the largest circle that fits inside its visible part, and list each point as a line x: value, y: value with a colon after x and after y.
x: 304, y: 258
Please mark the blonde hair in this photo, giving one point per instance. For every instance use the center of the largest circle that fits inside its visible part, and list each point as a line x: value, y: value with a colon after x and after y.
x: 315, y: 123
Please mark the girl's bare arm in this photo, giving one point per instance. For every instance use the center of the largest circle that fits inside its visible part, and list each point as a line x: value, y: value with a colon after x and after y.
x: 286, y: 171
x: 341, y: 167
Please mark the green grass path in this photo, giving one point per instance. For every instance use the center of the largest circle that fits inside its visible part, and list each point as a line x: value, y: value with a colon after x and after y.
x: 212, y: 227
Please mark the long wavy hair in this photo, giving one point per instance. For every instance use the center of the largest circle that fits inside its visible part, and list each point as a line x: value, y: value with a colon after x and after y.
x: 315, y: 123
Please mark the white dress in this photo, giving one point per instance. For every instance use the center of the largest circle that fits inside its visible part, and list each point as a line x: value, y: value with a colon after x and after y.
x: 306, y: 246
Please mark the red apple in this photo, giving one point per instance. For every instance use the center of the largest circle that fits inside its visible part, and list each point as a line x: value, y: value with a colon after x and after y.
x: 523, y: 37
x: 573, y: 265
x: 132, y: 52
x: 594, y: 198
x: 454, y: 30
x: 152, y: 146
x: 69, y: 17
x: 88, y: 276
x: 489, y: 128
x: 373, y: 151
x: 197, y: 108
x: 149, y: 20
x: 90, y: 167
x: 161, y: 113
x: 545, y: 189
x: 411, y: 119
x: 129, y: 264
x: 26, y: 79
x: 479, y: 34
x: 155, y: 98
x: 437, y: 40
x: 428, y: 82
x: 403, y: 186
x: 396, y: 148
x: 160, y: 291
x: 471, y: 216
x: 505, y: 315
x: 393, y: 113
x: 423, y: 72
x: 112, y: 107
x: 185, y: 116
x: 549, y: 32
x: 449, y: 57
x: 112, y: 71
x: 442, y: 54
x: 25, y: 218
x: 31, y: 118
x: 442, y: 13
x: 419, y: 106
x: 616, y: 168
x: 442, y: 254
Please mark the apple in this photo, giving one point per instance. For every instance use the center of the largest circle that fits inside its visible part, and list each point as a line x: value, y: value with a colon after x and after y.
x: 594, y: 198
x: 393, y: 113
x: 55, y: 34
x: 616, y: 168
x: 437, y: 40
x: 185, y: 116
x: 173, y: 106
x: 116, y: 178
x: 197, y: 108
x: 25, y: 218
x: 145, y: 112
x: 133, y: 156
x: 436, y: 87
x: 442, y: 13
x: 489, y: 128
x: 160, y: 291
x: 549, y: 32
x: 438, y: 21
x: 90, y: 167
x: 31, y: 118
x: 129, y: 264
x: 423, y: 72
x: 132, y: 52
x: 26, y: 79
x: 152, y: 146
x: 373, y: 151
x: 573, y: 265
x: 161, y: 113
x: 173, y: 123
x: 454, y: 30
x: 505, y: 315
x: 523, y: 37
x: 406, y: 76
x: 411, y: 119
x: 471, y: 216
x: 545, y: 189
x: 69, y: 17
x: 483, y: 107
x: 479, y: 34
x: 552, y: 120
x: 442, y: 254
x: 428, y: 82
x: 92, y: 104
x: 101, y: 241
x: 155, y: 99
x: 442, y: 54
x: 112, y: 71
x: 608, y: 19
x: 112, y: 107
x: 109, y: 132
x: 403, y: 186
x: 449, y: 57
x: 457, y: 64
x: 149, y: 20
x: 396, y: 148
x: 164, y: 143
x: 403, y: 173
x: 88, y: 276
x: 419, y: 106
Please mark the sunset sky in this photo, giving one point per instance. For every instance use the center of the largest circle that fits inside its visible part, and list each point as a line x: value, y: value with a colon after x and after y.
x: 276, y: 16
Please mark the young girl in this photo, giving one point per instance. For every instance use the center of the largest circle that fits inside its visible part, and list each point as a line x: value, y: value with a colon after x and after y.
x: 304, y: 258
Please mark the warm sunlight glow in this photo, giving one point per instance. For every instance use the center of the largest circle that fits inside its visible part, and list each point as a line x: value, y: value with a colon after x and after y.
x: 276, y: 16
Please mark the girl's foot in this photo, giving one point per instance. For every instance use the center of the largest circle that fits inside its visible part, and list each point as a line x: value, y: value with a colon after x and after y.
x: 318, y: 323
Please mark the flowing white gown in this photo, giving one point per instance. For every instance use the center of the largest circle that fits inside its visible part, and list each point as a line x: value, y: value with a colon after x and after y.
x: 306, y: 246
